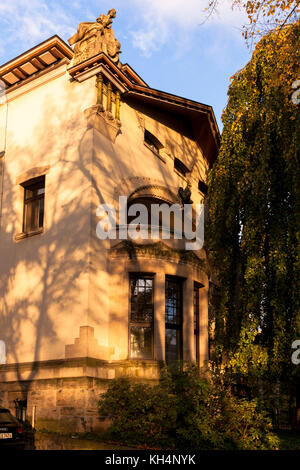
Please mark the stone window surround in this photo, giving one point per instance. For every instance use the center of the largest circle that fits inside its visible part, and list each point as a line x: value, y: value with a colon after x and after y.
x: 32, y: 173
x: 156, y: 142
x: 121, y: 268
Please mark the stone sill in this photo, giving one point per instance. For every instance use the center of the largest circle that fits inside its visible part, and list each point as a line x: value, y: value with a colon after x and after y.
x: 155, y: 153
x: 22, y: 235
x: 180, y: 175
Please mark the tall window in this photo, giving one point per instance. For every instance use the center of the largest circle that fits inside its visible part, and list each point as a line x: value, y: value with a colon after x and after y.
x: 34, y: 194
x: 196, y: 323
x: 141, y: 317
x: 173, y: 319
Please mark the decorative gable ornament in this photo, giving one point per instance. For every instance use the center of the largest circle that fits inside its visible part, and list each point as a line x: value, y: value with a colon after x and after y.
x: 95, y: 37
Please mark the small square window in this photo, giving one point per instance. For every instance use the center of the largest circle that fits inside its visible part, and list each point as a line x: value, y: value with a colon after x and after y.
x: 34, y: 198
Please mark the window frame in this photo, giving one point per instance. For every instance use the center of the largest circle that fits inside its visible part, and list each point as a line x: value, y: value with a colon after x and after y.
x: 141, y: 324
x: 180, y: 167
x: 175, y: 326
x: 202, y: 188
x: 150, y: 140
x: 196, y: 291
x: 40, y: 180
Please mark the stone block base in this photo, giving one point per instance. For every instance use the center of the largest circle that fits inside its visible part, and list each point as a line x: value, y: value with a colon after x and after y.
x: 64, y: 394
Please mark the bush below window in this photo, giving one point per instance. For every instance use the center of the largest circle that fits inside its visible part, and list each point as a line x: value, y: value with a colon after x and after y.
x: 185, y: 410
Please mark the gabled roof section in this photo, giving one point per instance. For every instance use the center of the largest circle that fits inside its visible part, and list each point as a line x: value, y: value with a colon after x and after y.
x: 134, y: 89
x: 32, y: 63
x: 200, y: 116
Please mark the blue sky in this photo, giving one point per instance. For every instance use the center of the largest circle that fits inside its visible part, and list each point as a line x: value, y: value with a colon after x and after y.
x: 165, y: 41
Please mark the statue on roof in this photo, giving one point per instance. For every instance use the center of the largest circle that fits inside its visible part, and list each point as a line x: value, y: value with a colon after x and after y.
x: 92, y: 38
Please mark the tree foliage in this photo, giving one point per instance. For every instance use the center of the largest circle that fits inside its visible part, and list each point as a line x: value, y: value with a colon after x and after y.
x: 263, y: 15
x: 185, y: 410
x: 253, y: 222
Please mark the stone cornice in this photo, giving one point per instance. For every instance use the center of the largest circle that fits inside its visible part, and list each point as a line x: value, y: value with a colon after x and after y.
x: 77, y: 368
x: 157, y: 250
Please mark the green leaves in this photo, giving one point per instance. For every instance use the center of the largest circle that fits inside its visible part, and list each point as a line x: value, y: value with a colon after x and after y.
x: 185, y: 410
x: 253, y: 201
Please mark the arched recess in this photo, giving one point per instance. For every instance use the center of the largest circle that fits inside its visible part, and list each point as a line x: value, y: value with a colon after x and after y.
x: 156, y: 192
x: 149, y: 191
x: 136, y: 187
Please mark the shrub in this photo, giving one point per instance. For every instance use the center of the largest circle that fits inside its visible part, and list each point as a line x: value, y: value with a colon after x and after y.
x: 185, y: 410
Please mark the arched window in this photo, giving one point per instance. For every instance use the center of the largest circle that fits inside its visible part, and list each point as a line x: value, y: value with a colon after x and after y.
x: 152, y: 142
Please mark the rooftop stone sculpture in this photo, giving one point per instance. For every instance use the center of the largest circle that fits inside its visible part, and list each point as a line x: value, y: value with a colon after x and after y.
x: 92, y: 38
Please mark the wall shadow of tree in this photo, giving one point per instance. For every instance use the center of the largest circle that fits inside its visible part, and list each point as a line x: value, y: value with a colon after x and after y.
x: 69, y: 247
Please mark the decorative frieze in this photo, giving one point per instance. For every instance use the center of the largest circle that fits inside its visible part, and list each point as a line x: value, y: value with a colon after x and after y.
x: 157, y: 250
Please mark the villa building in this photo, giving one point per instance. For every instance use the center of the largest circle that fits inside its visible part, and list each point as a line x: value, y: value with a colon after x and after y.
x: 79, y: 130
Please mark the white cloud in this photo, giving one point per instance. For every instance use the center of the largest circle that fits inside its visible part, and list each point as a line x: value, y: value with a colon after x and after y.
x: 162, y: 19
x: 189, y: 13
x: 31, y: 21
x: 153, y: 22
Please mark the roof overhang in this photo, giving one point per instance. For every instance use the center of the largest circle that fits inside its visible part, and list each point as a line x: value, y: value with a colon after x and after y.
x: 90, y: 67
x: 201, y: 117
x: 34, y: 62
